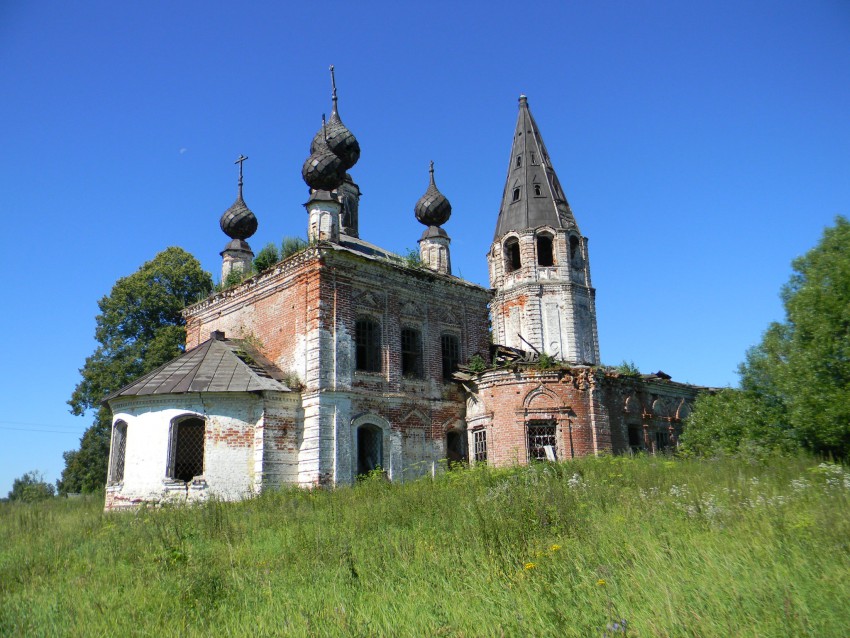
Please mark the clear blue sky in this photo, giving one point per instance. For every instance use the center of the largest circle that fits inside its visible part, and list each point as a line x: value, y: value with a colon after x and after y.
x: 702, y: 146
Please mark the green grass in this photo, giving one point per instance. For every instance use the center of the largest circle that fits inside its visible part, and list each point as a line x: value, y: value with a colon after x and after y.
x: 674, y: 547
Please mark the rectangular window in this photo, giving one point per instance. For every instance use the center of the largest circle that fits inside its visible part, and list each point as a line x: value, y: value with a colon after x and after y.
x: 450, y: 346
x: 368, y: 344
x: 540, y: 435
x: 479, y: 443
x: 635, y: 437
x: 187, y: 449
x: 119, y: 451
x: 662, y: 440
x: 411, y: 353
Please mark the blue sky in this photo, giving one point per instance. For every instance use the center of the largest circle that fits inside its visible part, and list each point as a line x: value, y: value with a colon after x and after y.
x: 702, y: 146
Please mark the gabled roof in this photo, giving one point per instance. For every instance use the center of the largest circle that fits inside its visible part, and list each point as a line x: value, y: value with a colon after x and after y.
x: 216, y: 365
x: 531, y: 173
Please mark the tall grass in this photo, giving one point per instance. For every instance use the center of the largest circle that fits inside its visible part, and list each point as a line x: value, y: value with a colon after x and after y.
x: 595, y: 547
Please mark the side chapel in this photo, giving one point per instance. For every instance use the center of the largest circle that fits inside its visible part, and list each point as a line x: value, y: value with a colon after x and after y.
x: 344, y: 358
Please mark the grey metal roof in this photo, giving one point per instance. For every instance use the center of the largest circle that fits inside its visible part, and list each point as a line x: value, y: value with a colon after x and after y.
x: 532, y: 173
x: 216, y: 365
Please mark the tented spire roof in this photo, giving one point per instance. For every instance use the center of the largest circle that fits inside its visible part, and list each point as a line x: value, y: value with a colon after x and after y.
x: 533, y: 195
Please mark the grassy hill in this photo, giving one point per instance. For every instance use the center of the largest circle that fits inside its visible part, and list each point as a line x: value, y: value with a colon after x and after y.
x: 649, y: 546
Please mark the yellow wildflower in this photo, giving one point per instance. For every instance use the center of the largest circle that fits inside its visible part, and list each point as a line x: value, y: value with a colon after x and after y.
x: 554, y: 548
x: 530, y: 565
x: 601, y: 582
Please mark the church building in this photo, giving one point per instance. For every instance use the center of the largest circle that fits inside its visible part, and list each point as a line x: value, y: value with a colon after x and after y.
x: 345, y: 359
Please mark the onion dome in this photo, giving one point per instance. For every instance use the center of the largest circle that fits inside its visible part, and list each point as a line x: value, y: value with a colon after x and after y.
x: 433, y: 209
x: 323, y: 170
x: 238, y: 222
x: 340, y: 140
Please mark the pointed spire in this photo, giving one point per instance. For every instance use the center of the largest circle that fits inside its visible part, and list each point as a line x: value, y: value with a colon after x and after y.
x: 533, y: 195
x: 238, y: 222
x: 323, y: 170
x: 433, y: 208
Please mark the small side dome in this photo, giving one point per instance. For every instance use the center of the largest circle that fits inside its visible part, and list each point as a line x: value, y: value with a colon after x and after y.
x: 433, y: 208
x: 323, y: 170
x: 238, y: 222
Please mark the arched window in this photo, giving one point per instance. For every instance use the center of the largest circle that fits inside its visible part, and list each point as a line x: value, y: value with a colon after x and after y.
x: 368, y: 344
x: 512, y: 259
x: 370, y: 448
x: 544, y: 251
x: 537, y: 191
x: 575, y: 252
x: 186, y: 453
x: 118, y: 452
x: 411, y: 353
x: 518, y: 161
x: 450, y: 346
x: 516, y: 195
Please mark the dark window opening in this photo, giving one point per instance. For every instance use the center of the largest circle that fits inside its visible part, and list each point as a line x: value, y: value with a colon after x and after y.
x: 370, y: 449
x: 662, y: 440
x: 455, y: 448
x: 411, y: 353
x: 368, y: 340
x: 575, y: 252
x: 533, y: 159
x: 516, y: 195
x: 537, y: 191
x: 187, y: 449
x: 119, y: 451
x: 518, y: 161
x: 512, y: 259
x: 450, y: 346
x: 635, y: 437
x: 544, y: 251
x: 540, y: 435
x: 479, y: 444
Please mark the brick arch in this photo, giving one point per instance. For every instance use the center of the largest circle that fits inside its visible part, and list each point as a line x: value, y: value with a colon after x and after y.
x: 684, y: 410
x: 542, y: 398
x: 632, y: 405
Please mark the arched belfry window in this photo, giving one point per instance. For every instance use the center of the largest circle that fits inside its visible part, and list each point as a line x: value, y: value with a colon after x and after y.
x: 367, y: 339
x: 186, y: 451
x: 545, y: 257
x: 538, y: 192
x: 512, y: 258
x: 118, y: 453
x: 516, y: 195
x: 518, y: 161
x: 576, y: 260
x: 370, y: 448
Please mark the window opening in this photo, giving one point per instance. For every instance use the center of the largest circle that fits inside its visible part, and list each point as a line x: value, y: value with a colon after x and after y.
x: 455, y: 449
x: 516, y: 195
x: 537, y: 191
x: 187, y: 449
x: 411, y: 353
x: 662, y: 440
x: 635, y: 438
x: 533, y: 159
x: 544, y: 251
x: 368, y: 343
x: 512, y: 258
x: 540, y: 434
x: 479, y: 446
x: 575, y: 252
x: 518, y: 161
x: 370, y: 448
x: 450, y: 346
x: 119, y: 450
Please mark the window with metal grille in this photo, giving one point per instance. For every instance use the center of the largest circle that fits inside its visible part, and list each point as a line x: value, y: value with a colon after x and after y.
x: 411, y: 353
x: 187, y: 449
x: 119, y: 451
x: 540, y: 434
x: 479, y: 446
x: 370, y: 448
x: 368, y: 342
x: 450, y: 346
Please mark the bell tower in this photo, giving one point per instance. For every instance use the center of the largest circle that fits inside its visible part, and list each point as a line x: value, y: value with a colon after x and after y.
x: 539, y: 266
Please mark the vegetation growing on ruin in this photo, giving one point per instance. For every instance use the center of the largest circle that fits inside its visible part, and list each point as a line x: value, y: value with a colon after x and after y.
x: 658, y: 546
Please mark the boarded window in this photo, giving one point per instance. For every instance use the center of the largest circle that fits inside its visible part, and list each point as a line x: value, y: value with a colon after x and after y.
x: 119, y: 451
x: 368, y: 343
x: 479, y: 444
x: 187, y: 449
x: 411, y: 353
x: 544, y: 251
x: 540, y: 435
x: 512, y: 258
x: 450, y: 346
x: 370, y: 448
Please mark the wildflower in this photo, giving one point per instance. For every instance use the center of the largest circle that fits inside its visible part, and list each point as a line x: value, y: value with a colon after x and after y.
x: 601, y: 582
x: 554, y: 548
x: 530, y: 566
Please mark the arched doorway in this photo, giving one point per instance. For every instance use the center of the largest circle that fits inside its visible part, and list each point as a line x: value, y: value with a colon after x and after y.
x: 370, y: 448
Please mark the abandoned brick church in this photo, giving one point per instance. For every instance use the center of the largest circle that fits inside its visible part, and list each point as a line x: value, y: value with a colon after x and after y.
x: 344, y: 358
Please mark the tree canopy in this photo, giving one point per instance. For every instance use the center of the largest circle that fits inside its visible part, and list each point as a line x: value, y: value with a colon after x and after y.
x: 795, y: 385
x: 31, y: 487
x: 139, y: 328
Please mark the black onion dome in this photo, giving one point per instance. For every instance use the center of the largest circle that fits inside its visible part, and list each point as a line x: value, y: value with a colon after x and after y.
x: 238, y: 222
x: 341, y: 141
x: 433, y: 209
x: 323, y: 170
